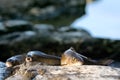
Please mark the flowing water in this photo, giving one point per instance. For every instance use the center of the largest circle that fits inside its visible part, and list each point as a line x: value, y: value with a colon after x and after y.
x: 102, y: 19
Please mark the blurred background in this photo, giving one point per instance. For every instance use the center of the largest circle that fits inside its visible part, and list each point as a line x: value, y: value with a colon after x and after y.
x: 90, y: 26
x: 102, y: 19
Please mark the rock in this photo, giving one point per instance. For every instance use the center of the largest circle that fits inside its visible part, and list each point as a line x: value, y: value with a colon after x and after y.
x: 85, y: 72
x: 44, y: 27
x: 100, y: 48
x: 44, y: 33
x: 13, y: 38
x: 42, y: 10
x: 13, y: 3
x: 2, y: 28
x: 5, y: 39
x: 0, y: 18
x: 44, y: 13
x: 17, y: 25
x: 4, y: 72
x: 2, y: 64
x: 27, y: 35
x: 69, y: 35
x: 47, y: 33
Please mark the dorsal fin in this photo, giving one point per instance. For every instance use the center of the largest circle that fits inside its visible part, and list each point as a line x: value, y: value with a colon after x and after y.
x: 72, y: 49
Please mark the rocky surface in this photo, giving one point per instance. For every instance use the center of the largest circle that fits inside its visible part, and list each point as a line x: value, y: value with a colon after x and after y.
x: 4, y: 71
x: 36, y: 71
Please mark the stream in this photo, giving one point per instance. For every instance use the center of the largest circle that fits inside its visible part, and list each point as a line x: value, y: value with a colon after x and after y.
x: 102, y: 19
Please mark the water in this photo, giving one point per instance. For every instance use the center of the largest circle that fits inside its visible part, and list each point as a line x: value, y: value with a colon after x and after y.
x: 102, y: 19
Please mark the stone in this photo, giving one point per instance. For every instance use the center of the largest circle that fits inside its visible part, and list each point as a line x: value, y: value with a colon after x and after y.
x: 13, y: 38
x: 85, y: 72
x: 44, y: 27
x: 2, y: 28
x: 70, y: 35
x: 100, y: 48
x: 2, y: 64
x: 44, y: 13
x: 17, y: 25
x: 4, y: 72
x: 43, y: 10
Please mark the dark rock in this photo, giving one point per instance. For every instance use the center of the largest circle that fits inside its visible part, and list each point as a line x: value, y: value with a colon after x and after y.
x: 71, y: 29
x: 2, y: 28
x: 48, y: 12
x: 42, y: 9
x: 44, y: 28
x: 2, y: 64
x: 69, y: 35
x: 101, y: 48
x: 47, y: 34
x: 17, y: 25
x: 4, y: 72
x: 13, y: 38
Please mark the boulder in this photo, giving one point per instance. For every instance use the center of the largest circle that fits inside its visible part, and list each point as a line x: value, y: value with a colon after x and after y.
x: 48, y: 34
x: 42, y: 10
x: 2, y: 64
x: 4, y: 71
x: 17, y: 25
x: 44, y: 28
x: 2, y: 28
x: 15, y: 37
x: 10, y: 26
x: 35, y: 71
x: 100, y: 48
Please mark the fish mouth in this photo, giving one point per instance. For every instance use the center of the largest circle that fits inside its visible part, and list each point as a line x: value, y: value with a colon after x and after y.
x: 28, y: 59
x: 8, y: 64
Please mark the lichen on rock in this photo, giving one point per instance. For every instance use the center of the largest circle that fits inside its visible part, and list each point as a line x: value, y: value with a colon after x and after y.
x: 36, y: 71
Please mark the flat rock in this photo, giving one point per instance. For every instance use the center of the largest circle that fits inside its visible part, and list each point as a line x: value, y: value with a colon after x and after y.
x: 37, y: 71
